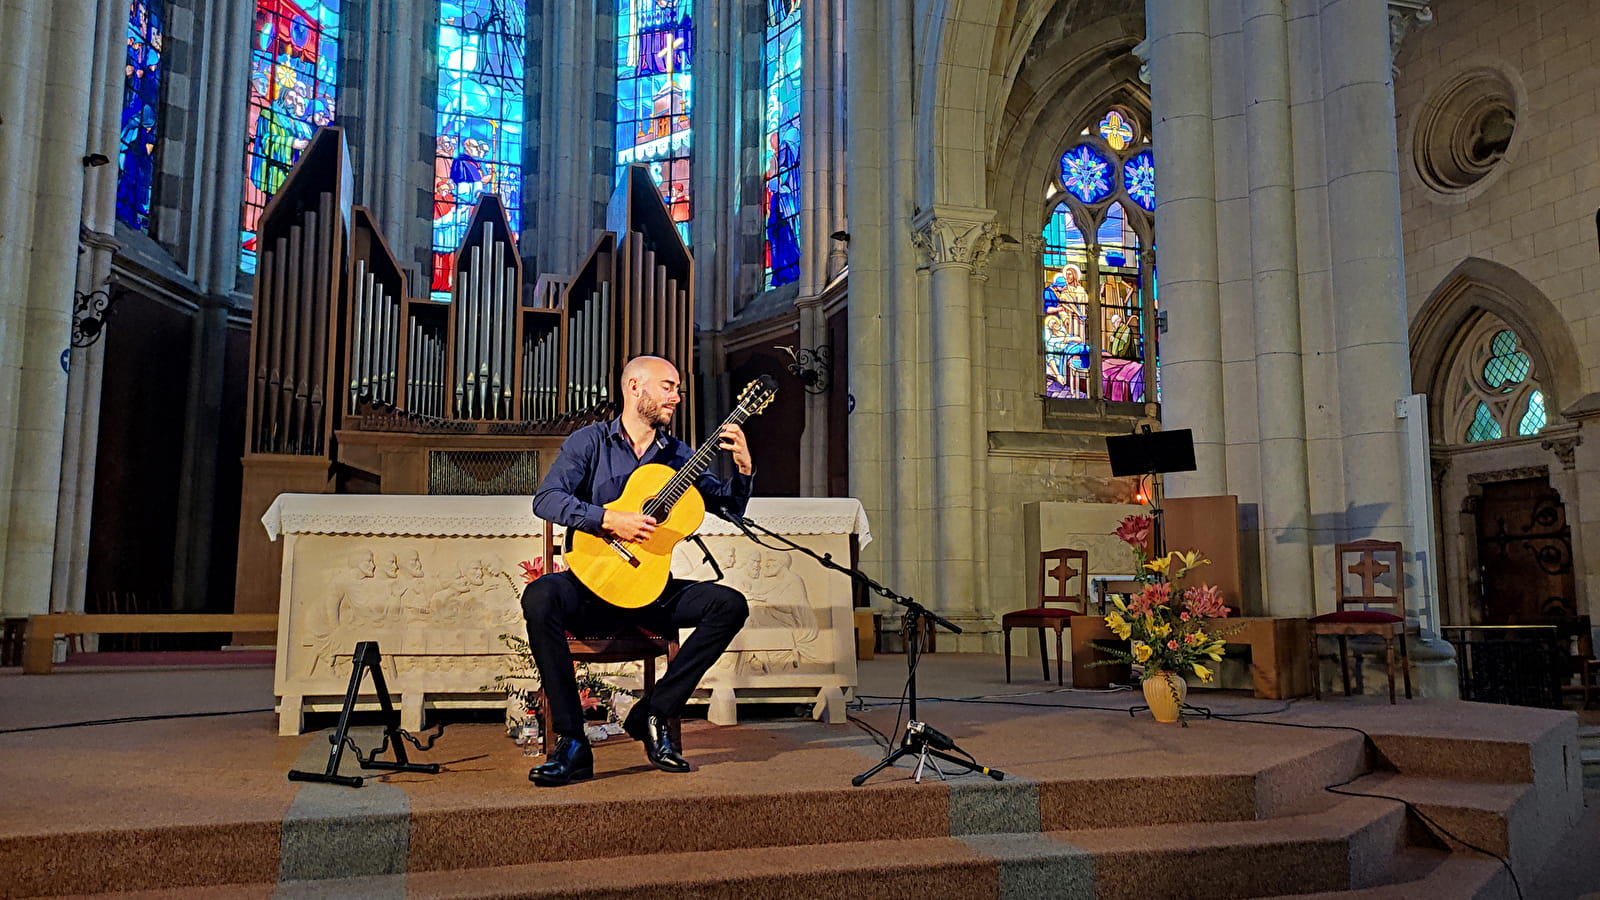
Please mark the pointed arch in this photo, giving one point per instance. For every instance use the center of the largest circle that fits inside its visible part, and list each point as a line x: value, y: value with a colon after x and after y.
x: 1472, y: 288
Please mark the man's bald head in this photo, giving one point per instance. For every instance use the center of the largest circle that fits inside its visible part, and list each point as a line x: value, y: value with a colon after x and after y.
x: 647, y: 368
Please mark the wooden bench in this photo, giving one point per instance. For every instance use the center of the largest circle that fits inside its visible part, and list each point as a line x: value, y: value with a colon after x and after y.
x: 37, y: 654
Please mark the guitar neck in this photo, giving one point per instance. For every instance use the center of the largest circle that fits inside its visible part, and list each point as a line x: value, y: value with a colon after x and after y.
x: 697, y: 465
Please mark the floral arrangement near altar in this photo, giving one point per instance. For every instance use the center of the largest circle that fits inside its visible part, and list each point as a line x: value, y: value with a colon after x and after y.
x: 604, y: 704
x: 1172, y: 633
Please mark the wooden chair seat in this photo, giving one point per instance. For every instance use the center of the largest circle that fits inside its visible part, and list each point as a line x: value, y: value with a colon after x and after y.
x: 628, y: 644
x: 1064, y: 566
x: 1358, y: 616
x: 1031, y: 615
x: 1355, y: 615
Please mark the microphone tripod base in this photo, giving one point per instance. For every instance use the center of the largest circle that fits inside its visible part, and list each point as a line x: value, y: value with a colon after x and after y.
x: 915, y: 743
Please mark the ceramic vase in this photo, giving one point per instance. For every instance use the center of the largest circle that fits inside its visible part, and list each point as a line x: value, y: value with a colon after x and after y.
x: 1164, y: 691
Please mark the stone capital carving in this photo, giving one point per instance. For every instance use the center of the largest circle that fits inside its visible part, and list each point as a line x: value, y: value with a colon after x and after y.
x: 1405, y: 16
x: 1034, y: 243
x: 955, y: 236
x: 1565, y: 448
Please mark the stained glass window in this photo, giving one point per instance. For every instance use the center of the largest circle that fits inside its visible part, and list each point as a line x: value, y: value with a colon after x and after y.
x: 141, y: 97
x: 1497, y: 394
x: 1483, y: 427
x: 1115, y: 130
x: 1099, y: 281
x: 1533, y: 420
x: 1139, y: 175
x: 294, y: 66
x: 1086, y: 174
x: 655, y: 55
x: 780, y: 146
x: 478, y: 143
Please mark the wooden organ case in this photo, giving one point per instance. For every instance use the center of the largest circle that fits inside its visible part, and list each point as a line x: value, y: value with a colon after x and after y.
x: 357, y: 387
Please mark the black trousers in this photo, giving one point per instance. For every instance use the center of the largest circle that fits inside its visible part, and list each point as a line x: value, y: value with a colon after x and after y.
x: 558, y: 603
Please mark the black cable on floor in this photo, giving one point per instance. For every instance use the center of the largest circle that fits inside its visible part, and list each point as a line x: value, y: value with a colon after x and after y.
x: 126, y: 719
x: 1432, y: 823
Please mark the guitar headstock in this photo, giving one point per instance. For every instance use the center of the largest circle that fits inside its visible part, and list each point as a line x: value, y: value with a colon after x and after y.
x: 758, y: 394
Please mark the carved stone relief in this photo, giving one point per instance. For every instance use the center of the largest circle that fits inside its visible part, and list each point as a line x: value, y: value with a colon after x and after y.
x: 436, y: 606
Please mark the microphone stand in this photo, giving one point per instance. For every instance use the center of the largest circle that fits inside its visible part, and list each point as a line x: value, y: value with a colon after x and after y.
x: 924, y: 742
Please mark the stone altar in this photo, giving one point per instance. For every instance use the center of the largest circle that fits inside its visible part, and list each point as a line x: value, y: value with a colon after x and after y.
x: 437, y: 582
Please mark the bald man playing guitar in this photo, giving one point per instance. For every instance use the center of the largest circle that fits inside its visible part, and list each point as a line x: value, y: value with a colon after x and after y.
x: 592, y: 471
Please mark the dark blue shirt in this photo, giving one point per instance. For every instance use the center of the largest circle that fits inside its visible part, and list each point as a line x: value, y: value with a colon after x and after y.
x: 594, y: 466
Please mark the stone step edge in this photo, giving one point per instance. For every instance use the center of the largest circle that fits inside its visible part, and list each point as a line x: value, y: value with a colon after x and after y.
x: 1024, y: 862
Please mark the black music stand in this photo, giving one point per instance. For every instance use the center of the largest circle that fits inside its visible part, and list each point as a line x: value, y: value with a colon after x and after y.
x: 367, y: 658
x: 1152, y: 453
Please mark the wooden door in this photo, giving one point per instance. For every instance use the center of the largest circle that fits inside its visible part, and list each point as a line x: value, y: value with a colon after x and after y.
x: 1524, y: 553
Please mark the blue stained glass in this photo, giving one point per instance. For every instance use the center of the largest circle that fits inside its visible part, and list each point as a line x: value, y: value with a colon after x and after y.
x: 780, y: 149
x: 1086, y: 174
x: 1533, y: 420
x: 294, y: 65
x: 1139, y: 177
x: 478, y: 147
x: 141, y: 97
x: 655, y: 96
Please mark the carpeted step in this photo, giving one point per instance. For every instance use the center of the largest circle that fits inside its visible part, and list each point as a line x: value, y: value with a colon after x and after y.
x: 1205, y: 861
x: 1422, y: 873
x: 1348, y: 842
x: 1499, y: 818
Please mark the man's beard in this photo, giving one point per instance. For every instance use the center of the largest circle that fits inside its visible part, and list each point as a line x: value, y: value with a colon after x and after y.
x: 651, y: 411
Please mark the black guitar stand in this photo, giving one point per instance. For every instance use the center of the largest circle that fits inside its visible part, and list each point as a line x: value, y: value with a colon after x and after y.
x: 366, y: 658
x: 921, y: 740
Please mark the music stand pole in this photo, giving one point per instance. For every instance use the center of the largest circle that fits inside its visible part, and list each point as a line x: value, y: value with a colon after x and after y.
x: 920, y: 740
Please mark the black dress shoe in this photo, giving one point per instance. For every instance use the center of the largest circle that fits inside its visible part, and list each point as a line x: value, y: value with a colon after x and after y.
x: 572, y: 760
x: 656, y: 737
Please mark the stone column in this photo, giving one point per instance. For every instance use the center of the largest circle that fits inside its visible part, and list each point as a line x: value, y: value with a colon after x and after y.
x: 817, y: 218
x: 1186, y: 233
x: 217, y: 169
x: 216, y: 165
x: 81, y: 434
x: 871, y: 473
x: 391, y: 111
x: 41, y: 277
x: 567, y: 123
x: 1368, y: 284
x: 953, y: 240
x: 814, y: 440
x: 1285, y: 503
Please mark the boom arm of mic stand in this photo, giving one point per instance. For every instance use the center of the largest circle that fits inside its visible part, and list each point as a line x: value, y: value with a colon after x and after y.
x: 827, y: 560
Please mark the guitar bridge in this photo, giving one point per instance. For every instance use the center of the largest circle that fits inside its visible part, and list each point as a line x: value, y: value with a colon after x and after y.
x: 623, y: 552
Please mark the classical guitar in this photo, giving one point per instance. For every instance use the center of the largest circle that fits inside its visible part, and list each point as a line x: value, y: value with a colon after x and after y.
x: 633, y: 574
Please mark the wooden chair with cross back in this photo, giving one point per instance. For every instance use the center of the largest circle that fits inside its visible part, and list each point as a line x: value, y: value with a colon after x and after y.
x: 1371, y: 607
x: 1065, y: 567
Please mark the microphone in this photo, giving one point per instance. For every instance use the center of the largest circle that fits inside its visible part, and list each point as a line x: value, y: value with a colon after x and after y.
x: 931, y: 736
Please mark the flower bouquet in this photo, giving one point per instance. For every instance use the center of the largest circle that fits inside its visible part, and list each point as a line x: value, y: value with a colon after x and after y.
x: 1171, y: 632
x: 604, y: 704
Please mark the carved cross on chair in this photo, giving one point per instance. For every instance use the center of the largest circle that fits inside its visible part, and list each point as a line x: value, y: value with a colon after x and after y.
x: 1368, y: 568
